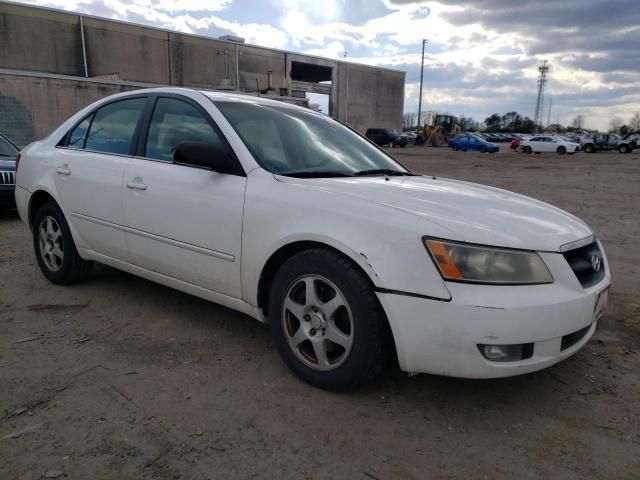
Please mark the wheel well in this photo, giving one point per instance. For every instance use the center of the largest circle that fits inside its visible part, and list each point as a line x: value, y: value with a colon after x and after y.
x: 38, y: 199
x: 282, y: 255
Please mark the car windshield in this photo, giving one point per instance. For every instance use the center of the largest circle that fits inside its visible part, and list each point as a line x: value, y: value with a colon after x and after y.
x: 6, y: 148
x: 293, y: 142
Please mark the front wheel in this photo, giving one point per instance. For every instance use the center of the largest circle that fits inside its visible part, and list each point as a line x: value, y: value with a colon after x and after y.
x: 589, y: 148
x: 482, y: 149
x: 561, y: 150
x: 326, y: 320
x: 55, y: 250
x: 623, y: 149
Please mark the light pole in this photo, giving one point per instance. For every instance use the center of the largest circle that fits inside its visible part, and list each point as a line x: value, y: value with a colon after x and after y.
x: 424, y: 42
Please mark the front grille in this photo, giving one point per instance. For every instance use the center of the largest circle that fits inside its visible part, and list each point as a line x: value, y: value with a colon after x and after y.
x: 570, y: 340
x: 584, y: 264
x: 7, y: 178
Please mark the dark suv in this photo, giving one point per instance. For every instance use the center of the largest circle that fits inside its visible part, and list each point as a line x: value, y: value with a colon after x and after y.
x: 8, y: 154
x: 386, y: 136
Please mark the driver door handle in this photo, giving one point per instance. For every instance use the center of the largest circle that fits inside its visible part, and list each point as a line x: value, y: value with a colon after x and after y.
x: 136, y: 184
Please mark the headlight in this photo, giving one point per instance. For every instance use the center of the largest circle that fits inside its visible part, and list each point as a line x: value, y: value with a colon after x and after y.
x: 464, y: 262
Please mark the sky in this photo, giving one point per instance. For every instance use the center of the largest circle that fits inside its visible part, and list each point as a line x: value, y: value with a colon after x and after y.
x: 482, y: 56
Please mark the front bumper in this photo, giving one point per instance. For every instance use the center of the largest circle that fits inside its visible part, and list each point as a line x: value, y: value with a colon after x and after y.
x: 442, y: 338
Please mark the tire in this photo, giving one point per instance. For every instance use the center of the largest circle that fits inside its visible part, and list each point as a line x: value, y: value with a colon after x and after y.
x: 456, y: 148
x: 55, y: 250
x: 561, y: 150
x: 623, y: 149
x: 589, y: 148
x: 527, y: 150
x: 482, y: 149
x: 359, y: 324
x: 438, y: 140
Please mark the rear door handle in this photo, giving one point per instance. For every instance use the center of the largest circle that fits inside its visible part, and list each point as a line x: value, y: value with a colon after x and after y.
x: 64, y: 170
x: 136, y: 184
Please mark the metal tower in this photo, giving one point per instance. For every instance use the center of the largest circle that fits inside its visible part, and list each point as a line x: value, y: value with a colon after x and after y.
x: 542, y: 82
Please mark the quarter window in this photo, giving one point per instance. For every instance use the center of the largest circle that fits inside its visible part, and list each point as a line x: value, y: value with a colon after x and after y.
x: 174, y: 121
x: 114, y: 125
x: 79, y: 134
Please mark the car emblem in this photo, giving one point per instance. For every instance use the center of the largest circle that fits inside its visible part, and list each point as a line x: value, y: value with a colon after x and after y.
x: 595, y: 263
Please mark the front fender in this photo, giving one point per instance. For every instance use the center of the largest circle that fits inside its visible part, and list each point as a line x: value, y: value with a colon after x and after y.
x: 383, y: 241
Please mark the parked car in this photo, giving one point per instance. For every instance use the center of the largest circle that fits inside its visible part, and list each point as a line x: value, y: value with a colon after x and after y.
x: 290, y: 217
x: 629, y: 142
x: 471, y: 142
x: 599, y: 142
x: 386, y: 136
x: 8, y: 154
x: 549, y: 144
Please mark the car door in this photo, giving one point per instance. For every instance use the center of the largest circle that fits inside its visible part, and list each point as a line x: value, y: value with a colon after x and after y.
x: 537, y: 144
x: 182, y: 221
x: 90, y: 163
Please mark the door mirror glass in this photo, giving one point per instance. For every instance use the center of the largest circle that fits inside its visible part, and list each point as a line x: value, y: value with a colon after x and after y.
x: 214, y: 157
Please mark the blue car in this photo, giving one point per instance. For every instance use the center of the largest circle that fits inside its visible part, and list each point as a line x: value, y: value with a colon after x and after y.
x: 471, y: 142
x: 8, y: 154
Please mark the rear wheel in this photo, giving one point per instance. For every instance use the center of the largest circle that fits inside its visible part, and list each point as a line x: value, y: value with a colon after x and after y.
x: 326, y: 320
x: 55, y: 250
x: 589, y: 148
x: 623, y: 149
x: 527, y: 150
x: 561, y: 150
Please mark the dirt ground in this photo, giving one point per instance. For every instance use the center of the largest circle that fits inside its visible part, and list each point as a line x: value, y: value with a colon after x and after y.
x: 120, y: 378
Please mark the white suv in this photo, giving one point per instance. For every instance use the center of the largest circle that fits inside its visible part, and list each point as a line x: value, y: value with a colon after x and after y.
x: 288, y: 216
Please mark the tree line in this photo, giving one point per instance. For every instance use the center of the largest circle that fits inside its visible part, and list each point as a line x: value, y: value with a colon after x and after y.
x: 515, y: 122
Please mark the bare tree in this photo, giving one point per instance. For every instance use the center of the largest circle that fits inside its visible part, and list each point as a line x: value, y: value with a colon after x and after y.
x: 634, y: 123
x: 409, y: 119
x: 578, y: 122
x: 615, y: 124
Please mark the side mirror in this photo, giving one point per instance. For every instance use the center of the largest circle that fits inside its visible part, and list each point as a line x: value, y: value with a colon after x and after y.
x: 206, y: 155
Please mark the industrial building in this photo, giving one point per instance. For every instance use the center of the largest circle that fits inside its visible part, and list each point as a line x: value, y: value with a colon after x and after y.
x: 52, y: 63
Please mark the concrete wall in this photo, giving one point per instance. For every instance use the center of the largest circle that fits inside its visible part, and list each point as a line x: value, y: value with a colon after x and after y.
x: 31, y: 107
x: 42, y: 40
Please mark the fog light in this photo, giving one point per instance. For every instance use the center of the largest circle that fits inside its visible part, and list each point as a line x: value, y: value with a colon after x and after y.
x: 506, y: 353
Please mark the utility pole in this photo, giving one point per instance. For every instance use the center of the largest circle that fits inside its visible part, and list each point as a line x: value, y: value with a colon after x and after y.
x: 542, y: 82
x: 424, y: 42
x: 549, y: 115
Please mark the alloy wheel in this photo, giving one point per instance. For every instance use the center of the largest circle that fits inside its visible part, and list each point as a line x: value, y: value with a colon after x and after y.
x: 50, y: 243
x: 317, y: 322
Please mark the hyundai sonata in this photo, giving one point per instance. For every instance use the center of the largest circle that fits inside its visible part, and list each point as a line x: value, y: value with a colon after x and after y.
x: 292, y: 218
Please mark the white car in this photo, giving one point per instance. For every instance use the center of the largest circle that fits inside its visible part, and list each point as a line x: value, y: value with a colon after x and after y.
x: 549, y: 144
x: 288, y: 216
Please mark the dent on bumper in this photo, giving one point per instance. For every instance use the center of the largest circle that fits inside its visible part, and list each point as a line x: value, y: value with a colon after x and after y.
x: 441, y: 337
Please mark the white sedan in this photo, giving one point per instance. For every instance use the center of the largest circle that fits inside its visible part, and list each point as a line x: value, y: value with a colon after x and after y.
x: 288, y: 216
x: 549, y: 144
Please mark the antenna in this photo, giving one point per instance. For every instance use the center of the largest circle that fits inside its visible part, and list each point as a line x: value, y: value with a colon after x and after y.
x: 543, y: 68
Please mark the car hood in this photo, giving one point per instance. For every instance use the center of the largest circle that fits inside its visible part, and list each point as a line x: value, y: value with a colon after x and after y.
x: 464, y: 211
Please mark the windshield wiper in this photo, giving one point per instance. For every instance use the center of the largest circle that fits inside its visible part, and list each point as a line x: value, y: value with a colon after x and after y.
x: 316, y: 174
x: 383, y: 171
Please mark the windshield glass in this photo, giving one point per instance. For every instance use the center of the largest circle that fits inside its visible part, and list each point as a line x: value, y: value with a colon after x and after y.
x: 293, y: 142
x: 7, y: 149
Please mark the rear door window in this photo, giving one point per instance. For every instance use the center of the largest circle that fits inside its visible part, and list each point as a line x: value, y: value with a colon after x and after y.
x: 114, y: 126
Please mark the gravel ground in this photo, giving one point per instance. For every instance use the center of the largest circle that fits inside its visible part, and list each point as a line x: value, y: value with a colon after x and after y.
x: 120, y: 378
